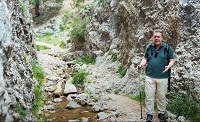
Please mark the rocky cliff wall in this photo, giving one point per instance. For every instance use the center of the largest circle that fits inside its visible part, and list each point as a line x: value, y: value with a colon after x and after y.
x: 16, y: 52
x: 126, y: 26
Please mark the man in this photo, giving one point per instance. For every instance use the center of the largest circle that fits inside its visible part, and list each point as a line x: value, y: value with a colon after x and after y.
x: 159, y: 59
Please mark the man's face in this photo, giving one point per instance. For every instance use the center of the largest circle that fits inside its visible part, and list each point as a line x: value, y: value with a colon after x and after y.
x: 157, y: 38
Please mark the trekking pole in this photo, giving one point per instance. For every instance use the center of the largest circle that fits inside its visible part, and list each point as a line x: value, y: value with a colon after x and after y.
x: 140, y: 93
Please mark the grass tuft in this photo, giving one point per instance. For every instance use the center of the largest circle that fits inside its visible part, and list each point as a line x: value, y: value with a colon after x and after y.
x: 20, y: 110
x: 113, y: 56
x: 86, y: 60
x: 122, y: 71
x: 39, y: 75
x: 79, y: 78
x: 137, y: 96
x: 41, y: 47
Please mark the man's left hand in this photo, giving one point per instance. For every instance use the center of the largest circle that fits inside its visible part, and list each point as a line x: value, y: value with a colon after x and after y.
x: 166, y: 69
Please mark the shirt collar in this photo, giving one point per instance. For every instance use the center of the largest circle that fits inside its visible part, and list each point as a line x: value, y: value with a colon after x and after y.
x: 152, y: 44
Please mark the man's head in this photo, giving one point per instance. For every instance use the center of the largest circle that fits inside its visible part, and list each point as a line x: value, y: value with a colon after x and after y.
x: 157, y: 37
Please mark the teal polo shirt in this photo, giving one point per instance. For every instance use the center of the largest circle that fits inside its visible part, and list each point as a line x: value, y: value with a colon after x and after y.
x: 158, y: 60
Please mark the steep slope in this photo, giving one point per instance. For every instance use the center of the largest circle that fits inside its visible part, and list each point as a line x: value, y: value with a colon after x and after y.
x: 16, y: 52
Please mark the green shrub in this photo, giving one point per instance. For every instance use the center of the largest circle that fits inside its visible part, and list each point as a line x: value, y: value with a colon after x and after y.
x: 104, y: 3
x: 46, y: 38
x: 59, y: 1
x: 78, y: 29
x: 63, y: 26
x: 86, y: 60
x: 49, y: 39
x: 113, y: 56
x: 78, y: 4
x: 41, y: 47
x: 43, y: 118
x: 122, y: 71
x: 79, y: 78
x: 39, y: 75
x: 23, y: 6
x: 38, y: 72
x: 38, y: 96
x: 116, y: 91
x: 20, y: 110
x: 184, y: 105
x: 62, y: 44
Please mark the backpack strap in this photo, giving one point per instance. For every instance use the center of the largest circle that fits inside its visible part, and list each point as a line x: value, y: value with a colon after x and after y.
x: 166, y: 48
x: 149, y: 47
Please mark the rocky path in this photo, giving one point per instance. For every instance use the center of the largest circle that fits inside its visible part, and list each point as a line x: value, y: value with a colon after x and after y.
x: 116, y: 107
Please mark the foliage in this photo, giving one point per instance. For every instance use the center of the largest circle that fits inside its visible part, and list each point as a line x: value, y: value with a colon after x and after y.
x: 104, y: 3
x: 86, y: 60
x: 137, y: 96
x: 78, y: 29
x: 116, y: 91
x: 78, y: 4
x: 46, y: 38
x: 113, y: 56
x: 79, y: 78
x: 41, y: 47
x: 20, y: 110
x: 36, y: 2
x: 59, y: 1
x: 37, y: 98
x: 122, y: 71
x: 63, y: 26
x: 38, y: 72
x: 62, y: 44
x: 37, y: 6
x: 22, y: 6
x: 49, y: 38
x: 184, y: 105
x: 43, y: 118
x: 39, y: 75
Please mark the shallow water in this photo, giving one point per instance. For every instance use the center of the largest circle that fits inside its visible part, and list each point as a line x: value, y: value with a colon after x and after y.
x: 60, y: 113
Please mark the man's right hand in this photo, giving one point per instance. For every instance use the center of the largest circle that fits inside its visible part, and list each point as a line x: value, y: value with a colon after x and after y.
x: 139, y: 67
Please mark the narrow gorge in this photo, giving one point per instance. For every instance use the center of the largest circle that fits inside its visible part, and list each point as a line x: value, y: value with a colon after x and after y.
x: 115, y: 34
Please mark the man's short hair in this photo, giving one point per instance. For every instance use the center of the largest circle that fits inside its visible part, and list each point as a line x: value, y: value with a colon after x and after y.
x: 159, y: 31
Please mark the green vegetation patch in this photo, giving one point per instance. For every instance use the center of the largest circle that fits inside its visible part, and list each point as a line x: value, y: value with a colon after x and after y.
x: 122, y: 71
x: 20, y: 110
x: 62, y: 44
x: 113, y: 56
x: 38, y: 72
x: 41, y: 47
x: 78, y: 4
x: 137, y: 96
x: 39, y: 75
x: 50, y: 39
x: 86, y: 60
x: 79, y: 78
x: 78, y: 29
x: 65, y: 21
x: 23, y: 6
x: 184, y: 105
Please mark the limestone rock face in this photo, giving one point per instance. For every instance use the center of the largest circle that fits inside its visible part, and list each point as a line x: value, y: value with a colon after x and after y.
x: 126, y: 26
x: 16, y: 52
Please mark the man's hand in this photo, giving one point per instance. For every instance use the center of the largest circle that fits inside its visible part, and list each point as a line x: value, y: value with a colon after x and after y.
x: 139, y: 67
x: 166, y: 69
